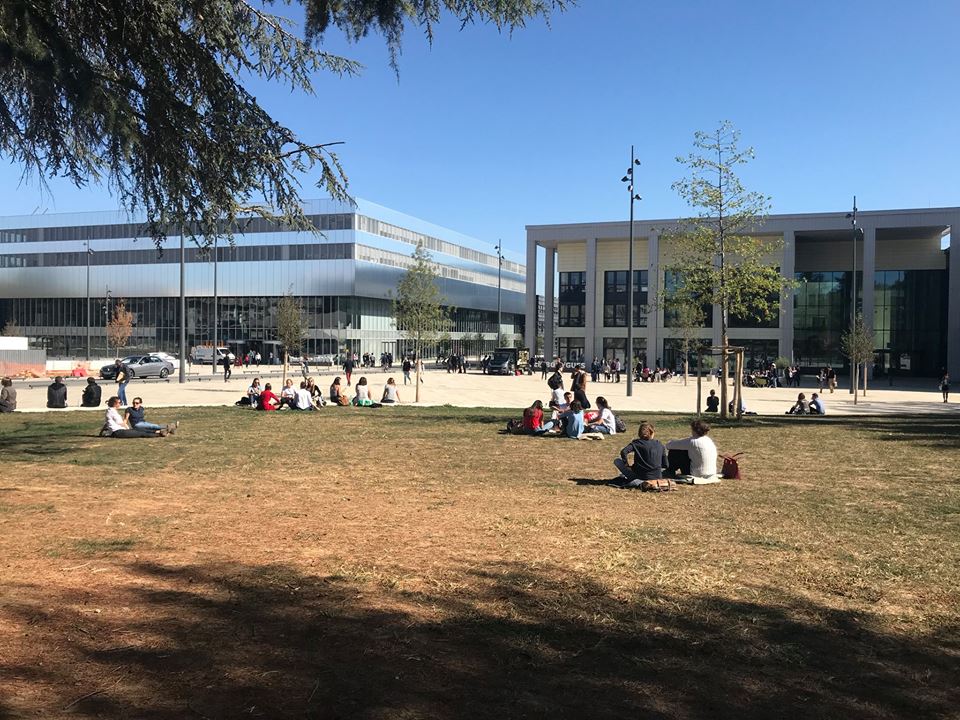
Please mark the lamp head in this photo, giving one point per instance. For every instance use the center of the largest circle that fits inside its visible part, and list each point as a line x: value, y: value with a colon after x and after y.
x: 625, y: 178
x: 636, y: 162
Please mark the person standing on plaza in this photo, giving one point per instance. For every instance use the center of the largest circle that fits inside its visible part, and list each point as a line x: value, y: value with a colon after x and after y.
x: 945, y: 385
x: 257, y: 358
x: 348, y: 366
x: 407, y: 367
x: 57, y: 394
x: 227, y: 363
x: 121, y: 377
x: 831, y: 379
x: 578, y: 385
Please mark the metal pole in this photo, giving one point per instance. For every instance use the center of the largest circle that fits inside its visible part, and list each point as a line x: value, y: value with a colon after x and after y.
x: 88, y: 301
x: 853, y: 297
x: 213, y: 365
x: 629, y: 358
x: 499, y: 272
x: 183, y: 311
x: 106, y: 321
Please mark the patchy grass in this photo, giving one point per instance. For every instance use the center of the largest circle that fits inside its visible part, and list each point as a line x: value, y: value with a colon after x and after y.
x: 415, y: 563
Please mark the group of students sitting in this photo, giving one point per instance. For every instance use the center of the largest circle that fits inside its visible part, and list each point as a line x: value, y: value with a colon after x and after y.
x: 802, y: 407
x: 691, y: 460
x: 567, y: 418
x: 132, y: 423
x: 310, y: 397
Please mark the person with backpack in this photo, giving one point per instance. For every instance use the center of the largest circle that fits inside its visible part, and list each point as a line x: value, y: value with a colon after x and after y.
x: 555, y: 381
x: 649, y: 458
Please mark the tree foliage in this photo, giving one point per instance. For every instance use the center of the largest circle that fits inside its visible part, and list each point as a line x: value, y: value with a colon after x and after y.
x: 418, y: 305
x: 148, y: 97
x: 10, y: 329
x: 857, y: 343
x: 120, y: 327
x: 718, y: 259
x: 291, y: 326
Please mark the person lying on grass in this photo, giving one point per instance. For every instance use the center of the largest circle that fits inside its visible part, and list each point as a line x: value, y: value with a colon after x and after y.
x: 116, y: 427
x: 649, y: 458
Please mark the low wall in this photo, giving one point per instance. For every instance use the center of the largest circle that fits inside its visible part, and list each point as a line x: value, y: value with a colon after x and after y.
x: 23, y: 362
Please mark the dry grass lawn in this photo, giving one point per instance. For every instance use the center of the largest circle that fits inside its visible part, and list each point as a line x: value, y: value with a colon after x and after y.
x: 414, y: 563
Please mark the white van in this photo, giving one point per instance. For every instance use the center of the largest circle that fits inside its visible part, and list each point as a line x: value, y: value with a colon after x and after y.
x: 203, y: 355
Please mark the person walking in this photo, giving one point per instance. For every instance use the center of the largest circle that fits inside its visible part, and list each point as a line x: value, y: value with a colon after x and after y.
x: 122, y: 378
x: 407, y: 367
x: 227, y: 363
x: 578, y: 385
x: 945, y: 386
x: 348, y: 366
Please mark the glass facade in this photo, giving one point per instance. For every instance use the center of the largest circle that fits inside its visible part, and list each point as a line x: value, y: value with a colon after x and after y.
x: 570, y: 349
x: 910, y: 322
x: 671, y: 281
x: 757, y: 353
x: 617, y: 348
x: 573, y: 299
x: 821, y: 314
x: 615, y: 298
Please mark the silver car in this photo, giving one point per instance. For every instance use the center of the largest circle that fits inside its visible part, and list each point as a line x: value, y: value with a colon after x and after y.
x: 140, y: 366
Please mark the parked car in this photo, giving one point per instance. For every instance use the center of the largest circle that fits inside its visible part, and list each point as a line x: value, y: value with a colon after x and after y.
x: 140, y: 366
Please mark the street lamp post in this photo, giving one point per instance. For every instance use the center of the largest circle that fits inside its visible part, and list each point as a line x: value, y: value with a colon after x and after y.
x: 213, y: 365
x: 499, y: 273
x: 89, y: 253
x: 629, y: 179
x: 183, y: 312
x: 106, y: 320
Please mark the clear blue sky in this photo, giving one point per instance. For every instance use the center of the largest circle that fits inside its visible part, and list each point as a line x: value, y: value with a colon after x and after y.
x: 485, y: 133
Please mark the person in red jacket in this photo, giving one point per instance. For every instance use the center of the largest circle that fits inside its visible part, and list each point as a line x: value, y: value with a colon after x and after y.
x: 533, y: 417
x: 268, y: 401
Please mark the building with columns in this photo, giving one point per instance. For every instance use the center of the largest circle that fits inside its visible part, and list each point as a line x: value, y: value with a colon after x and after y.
x: 902, y: 276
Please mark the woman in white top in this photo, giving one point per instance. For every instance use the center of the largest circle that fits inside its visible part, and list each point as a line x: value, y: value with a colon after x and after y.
x: 606, y: 423
x: 702, y: 452
x: 362, y: 398
x: 116, y: 427
x: 390, y: 394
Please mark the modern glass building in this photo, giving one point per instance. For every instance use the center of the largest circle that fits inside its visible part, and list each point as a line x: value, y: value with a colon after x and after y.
x: 343, y: 276
x: 903, y: 289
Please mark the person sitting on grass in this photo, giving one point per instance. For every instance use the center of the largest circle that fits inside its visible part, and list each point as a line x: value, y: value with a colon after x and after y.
x: 268, y: 401
x: 390, y: 394
x: 8, y: 396
x: 606, y: 423
x: 573, y: 420
x: 133, y: 417
x: 116, y: 427
x: 800, y: 407
x: 694, y: 457
x: 91, y: 394
x: 253, y: 393
x: 315, y: 392
x: 288, y: 394
x: 649, y: 459
x: 713, y: 402
x: 335, y: 396
x: 816, y: 405
x: 57, y: 394
x: 533, y: 417
x: 362, y: 397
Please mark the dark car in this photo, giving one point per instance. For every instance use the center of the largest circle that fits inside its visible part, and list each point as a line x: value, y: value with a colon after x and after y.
x: 140, y: 366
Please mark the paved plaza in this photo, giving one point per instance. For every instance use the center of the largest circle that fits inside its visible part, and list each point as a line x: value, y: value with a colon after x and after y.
x: 473, y: 389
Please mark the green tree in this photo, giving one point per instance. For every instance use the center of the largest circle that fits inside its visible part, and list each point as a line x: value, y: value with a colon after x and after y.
x: 418, y: 306
x: 714, y: 253
x: 291, y: 327
x: 857, y: 344
x: 690, y: 320
x: 148, y: 97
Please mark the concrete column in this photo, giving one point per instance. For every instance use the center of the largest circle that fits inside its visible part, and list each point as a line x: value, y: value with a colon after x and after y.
x: 787, y: 269
x: 953, y: 303
x: 549, y: 295
x: 655, y: 318
x: 530, y: 332
x: 590, y: 321
x: 869, y: 280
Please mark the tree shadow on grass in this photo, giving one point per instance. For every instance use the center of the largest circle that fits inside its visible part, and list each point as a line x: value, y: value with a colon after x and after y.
x: 511, y: 641
x: 928, y: 430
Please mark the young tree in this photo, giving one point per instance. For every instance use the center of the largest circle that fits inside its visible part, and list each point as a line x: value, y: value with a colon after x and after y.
x: 10, y: 329
x: 690, y: 320
x: 418, y: 306
x: 120, y: 327
x: 719, y: 261
x: 857, y: 344
x: 290, y: 327
x: 148, y: 97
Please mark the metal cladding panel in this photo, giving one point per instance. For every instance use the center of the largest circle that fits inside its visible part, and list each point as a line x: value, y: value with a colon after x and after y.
x: 378, y: 281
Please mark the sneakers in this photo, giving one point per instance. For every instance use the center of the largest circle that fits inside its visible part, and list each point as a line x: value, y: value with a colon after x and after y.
x: 172, y: 427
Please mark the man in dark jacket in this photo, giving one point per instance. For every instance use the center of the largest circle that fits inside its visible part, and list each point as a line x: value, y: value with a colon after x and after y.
x: 91, y: 394
x: 57, y: 394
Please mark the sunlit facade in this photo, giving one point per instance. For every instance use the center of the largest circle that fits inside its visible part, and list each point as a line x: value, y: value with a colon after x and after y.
x: 343, y: 276
x: 902, y: 289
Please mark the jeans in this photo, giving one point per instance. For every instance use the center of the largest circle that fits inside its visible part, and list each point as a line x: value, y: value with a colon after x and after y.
x: 627, y: 472
x: 406, y: 377
x: 122, y: 393
x: 147, y: 426
x: 598, y: 428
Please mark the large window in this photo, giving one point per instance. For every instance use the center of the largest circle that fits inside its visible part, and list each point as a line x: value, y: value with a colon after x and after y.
x: 615, y: 298
x: 909, y: 321
x: 671, y: 319
x: 573, y: 298
x: 617, y: 348
x: 821, y: 313
x: 570, y: 349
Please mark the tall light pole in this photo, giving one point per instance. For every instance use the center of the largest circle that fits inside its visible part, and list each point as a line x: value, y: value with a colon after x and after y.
x: 106, y: 320
x: 89, y: 253
x: 183, y: 312
x: 629, y: 179
x: 857, y: 233
x: 499, y: 273
x: 213, y: 365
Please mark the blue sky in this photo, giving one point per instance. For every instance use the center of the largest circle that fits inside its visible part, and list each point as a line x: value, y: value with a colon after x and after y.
x: 485, y: 133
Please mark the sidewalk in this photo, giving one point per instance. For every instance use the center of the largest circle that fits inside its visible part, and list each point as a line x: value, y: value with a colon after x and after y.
x: 474, y: 389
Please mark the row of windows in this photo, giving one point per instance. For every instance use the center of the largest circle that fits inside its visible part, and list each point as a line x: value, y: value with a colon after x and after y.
x: 411, y: 237
x: 237, y: 253
x: 332, y: 221
x: 615, y: 298
x: 394, y: 259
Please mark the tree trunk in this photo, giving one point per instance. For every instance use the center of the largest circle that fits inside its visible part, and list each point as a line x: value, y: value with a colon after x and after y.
x: 856, y: 381
x: 864, y: 379
x: 286, y: 356
x: 699, y: 376
x: 417, y: 350
x: 686, y: 371
x: 723, y: 377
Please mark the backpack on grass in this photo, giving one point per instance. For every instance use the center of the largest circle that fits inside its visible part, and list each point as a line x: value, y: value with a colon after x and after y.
x: 619, y: 424
x: 659, y: 485
x: 515, y: 427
